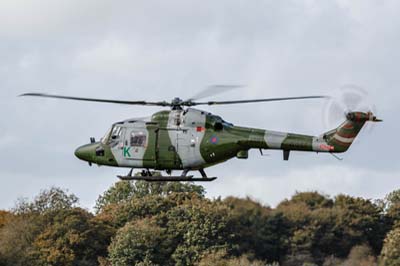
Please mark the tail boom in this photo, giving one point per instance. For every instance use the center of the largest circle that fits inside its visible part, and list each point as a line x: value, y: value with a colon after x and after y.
x: 335, y: 141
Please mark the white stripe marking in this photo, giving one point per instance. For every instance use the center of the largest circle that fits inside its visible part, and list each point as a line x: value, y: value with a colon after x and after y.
x: 342, y: 139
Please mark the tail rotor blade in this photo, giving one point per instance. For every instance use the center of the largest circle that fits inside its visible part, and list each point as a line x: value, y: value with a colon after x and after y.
x: 348, y: 98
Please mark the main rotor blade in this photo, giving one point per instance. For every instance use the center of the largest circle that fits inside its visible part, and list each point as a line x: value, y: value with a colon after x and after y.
x: 259, y: 100
x: 97, y: 100
x: 214, y: 90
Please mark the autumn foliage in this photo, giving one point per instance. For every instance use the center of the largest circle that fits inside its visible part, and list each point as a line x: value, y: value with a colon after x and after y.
x: 139, y: 223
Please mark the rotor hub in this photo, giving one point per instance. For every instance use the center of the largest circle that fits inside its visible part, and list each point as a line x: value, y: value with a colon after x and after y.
x: 176, y: 103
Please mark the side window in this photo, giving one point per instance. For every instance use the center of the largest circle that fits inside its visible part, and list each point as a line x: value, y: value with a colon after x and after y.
x: 138, y: 139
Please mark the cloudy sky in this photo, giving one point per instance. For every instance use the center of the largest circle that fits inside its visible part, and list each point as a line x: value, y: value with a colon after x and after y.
x: 156, y: 50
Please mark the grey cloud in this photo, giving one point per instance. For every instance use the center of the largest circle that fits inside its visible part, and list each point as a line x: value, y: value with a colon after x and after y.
x: 161, y: 49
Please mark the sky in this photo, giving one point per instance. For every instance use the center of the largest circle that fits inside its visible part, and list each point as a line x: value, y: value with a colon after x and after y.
x: 157, y: 50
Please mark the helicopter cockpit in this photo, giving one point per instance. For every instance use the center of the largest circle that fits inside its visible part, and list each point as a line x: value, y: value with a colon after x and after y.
x: 129, y: 132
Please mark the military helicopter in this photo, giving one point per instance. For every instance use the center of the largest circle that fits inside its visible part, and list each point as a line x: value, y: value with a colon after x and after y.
x: 187, y: 139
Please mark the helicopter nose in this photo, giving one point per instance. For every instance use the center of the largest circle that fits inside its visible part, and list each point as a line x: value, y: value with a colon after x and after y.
x: 85, y: 152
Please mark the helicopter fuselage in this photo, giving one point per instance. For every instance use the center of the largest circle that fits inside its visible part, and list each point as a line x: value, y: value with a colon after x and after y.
x: 193, y: 139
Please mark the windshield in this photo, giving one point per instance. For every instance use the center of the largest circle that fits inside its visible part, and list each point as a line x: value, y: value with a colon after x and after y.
x: 113, y: 135
x: 104, y: 139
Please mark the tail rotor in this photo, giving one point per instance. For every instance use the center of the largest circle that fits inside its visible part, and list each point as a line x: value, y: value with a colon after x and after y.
x: 346, y: 100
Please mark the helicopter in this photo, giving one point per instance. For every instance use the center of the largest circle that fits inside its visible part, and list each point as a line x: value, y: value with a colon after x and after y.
x: 188, y: 139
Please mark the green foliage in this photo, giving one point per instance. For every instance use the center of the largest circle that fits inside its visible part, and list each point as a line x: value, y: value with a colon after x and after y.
x: 321, y: 227
x: 390, y: 255
x: 221, y: 258
x: 174, y: 234
x: 137, y: 208
x: 392, y: 206
x: 29, y: 219
x: 259, y: 231
x: 199, y: 225
x: 120, y: 192
x: 50, y: 231
x: 142, y: 242
x: 149, y: 224
x: 311, y: 227
x: 124, y: 191
x: 47, y: 200
x: 143, y: 188
x: 312, y: 200
x: 359, y: 221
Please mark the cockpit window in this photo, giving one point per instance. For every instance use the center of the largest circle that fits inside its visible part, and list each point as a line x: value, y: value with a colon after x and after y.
x: 113, y: 135
x: 116, y: 133
x: 138, y: 139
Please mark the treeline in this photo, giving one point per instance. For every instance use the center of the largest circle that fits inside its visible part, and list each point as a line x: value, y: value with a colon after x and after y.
x: 139, y: 223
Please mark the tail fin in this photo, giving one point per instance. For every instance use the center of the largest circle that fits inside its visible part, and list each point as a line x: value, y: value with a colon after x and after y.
x: 342, y: 137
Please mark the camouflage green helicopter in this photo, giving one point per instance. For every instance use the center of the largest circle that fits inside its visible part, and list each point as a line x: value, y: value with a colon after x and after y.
x: 188, y: 139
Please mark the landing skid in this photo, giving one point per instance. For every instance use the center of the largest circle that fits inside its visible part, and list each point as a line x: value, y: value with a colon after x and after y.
x: 147, y: 176
x: 168, y: 178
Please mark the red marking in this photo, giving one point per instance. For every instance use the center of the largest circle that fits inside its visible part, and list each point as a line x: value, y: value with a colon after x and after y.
x: 358, y: 117
x: 348, y: 126
x: 200, y: 129
x: 326, y: 147
x: 214, y: 140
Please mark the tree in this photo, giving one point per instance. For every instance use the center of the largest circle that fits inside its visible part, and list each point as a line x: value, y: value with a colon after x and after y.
x: 199, y: 225
x: 321, y: 228
x: 74, y: 237
x: 310, y: 223
x: 118, y: 215
x: 4, y: 219
x: 28, y: 220
x: 148, y: 224
x: 358, y: 221
x: 143, y: 188
x: 120, y: 192
x: 392, y: 202
x: 221, y: 258
x: 171, y: 230
x: 16, y: 238
x: 140, y: 242
x: 312, y: 200
x: 124, y: 191
x: 259, y: 232
x: 390, y: 255
x: 48, y: 200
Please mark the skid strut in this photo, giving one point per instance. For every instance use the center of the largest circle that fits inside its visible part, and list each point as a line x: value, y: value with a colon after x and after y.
x: 146, y: 175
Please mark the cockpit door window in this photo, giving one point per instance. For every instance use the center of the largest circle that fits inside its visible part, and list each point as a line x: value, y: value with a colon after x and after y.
x: 138, y: 139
